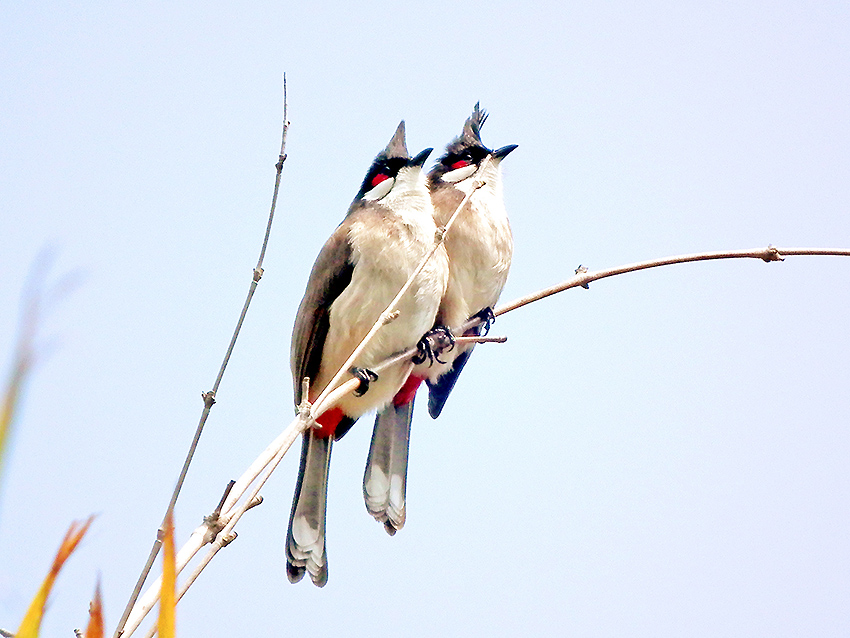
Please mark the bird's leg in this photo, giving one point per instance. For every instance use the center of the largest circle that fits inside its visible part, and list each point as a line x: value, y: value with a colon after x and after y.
x: 366, y: 377
x: 438, y: 340
x: 487, y: 318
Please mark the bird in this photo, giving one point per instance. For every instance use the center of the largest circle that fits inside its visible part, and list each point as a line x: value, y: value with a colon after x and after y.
x: 388, y: 230
x: 479, y: 246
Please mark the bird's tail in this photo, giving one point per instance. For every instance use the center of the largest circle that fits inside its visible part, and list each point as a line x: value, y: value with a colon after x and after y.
x: 385, y: 480
x: 305, y: 540
x: 439, y: 390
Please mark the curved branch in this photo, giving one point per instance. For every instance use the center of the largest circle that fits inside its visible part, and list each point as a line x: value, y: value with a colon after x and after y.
x: 584, y: 277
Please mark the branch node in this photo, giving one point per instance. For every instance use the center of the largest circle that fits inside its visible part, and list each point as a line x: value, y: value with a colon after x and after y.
x: 214, y: 522
x: 440, y: 234
x: 305, y: 408
x: 214, y: 525
x: 258, y: 273
x: 209, y: 398
x: 257, y: 500
x: 581, y: 270
x: 772, y: 254
x: 228, y: 538
x: 390, y: 317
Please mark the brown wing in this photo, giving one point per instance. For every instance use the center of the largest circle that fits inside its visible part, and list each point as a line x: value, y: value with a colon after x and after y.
x: 330, y: 275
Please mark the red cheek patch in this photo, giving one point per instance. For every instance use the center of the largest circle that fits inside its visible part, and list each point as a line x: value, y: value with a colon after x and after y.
x: 380, y: 177
x: 460, y: 164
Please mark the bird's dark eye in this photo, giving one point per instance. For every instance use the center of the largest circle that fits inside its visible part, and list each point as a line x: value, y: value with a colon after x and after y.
x: 380, y: 177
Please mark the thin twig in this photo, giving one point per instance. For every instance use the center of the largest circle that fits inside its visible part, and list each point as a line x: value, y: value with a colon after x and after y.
x: 465, y: 340
x: 209, y: 397
x: 583, y: 277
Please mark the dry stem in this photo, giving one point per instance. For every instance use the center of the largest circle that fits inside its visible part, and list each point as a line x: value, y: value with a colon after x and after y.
x: 209, y: 397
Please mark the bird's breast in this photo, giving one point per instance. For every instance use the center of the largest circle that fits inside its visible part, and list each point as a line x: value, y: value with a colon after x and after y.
x: 384, y: 258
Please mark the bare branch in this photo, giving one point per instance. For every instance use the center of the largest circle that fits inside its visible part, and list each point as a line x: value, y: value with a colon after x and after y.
x: 209, y: 397
x: 584, y: 277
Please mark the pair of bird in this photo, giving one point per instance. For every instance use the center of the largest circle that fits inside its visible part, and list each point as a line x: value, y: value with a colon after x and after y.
x: 390, y: 227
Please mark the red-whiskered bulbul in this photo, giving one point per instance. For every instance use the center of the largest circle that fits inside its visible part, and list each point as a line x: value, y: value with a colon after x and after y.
x: 387, y: 232
x: 479, y: 245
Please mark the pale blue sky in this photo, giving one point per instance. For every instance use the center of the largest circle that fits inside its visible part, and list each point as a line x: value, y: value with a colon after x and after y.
x: 662, y: 455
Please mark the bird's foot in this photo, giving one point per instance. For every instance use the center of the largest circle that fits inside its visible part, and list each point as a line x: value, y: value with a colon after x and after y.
x: 487, y: 318
x: 366, y: 377
x: 438, y: 340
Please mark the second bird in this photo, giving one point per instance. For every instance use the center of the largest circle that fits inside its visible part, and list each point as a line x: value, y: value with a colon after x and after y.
x: 479, y: 245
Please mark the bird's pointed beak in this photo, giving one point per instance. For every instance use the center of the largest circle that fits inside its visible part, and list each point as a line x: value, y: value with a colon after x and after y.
x: 419, y: 160
x: 502, y: 153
